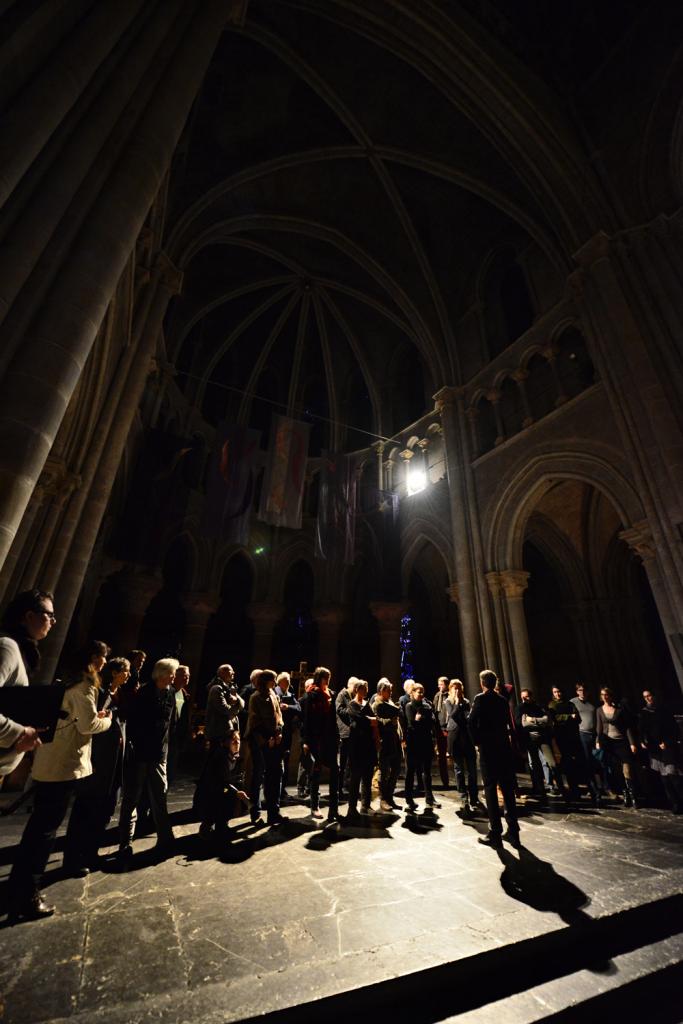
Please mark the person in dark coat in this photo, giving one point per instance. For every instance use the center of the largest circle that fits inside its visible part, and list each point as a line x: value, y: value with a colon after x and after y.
x: 97, y: 794
x: 659, y: 737
x: 291, y: 717
x: 342, y: 701
x: 149, y: 724
x: 264, y: 734
x: 420, y: 737
x: 388, y: 717
x: 489, y: 726
x: 358, y: 716
x: 321, y: 741
x: 217, y: 789
x: 459, y: 745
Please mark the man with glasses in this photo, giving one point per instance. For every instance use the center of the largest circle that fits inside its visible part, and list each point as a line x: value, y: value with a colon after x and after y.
x: 26, y: 621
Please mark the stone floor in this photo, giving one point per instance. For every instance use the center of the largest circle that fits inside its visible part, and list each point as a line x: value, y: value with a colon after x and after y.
x: 407, y: 916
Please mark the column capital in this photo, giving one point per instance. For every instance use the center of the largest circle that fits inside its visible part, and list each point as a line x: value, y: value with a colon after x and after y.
x: 330, y: 614
x: 453, y: 591
x: 265, y: 613
x: 200, y: 605
x: 139, y: 588
x: 378, y: 447
x: 389, y: 613
x: 495, y: 583
x: 169, y: 275
x: 57, y: 480
x: 514, y: 582
x: 595, y: 249
x: 446, y: 397
x: 639, y: 539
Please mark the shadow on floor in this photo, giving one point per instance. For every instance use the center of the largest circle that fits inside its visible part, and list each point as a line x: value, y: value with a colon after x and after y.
x: 460, y: 986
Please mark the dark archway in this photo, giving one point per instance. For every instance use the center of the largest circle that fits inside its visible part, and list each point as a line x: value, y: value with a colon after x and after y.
x: 295, y: 638
x: 229, y: 634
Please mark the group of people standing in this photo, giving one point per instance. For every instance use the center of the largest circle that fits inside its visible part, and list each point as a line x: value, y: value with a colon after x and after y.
x: 116, y: 737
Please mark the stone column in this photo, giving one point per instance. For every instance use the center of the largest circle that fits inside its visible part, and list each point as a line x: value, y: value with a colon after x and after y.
x: 69, y: 558
x: 199, y: 607
x: 55, y: 344
x: 635, y: 321
x: 330, y: 619
x: 389, y: 615
x: 474, y: 617
x: 504, y: 663
x: 265, y: 616
x: 639, y: 539
x: 514, y: 582
x: 138, y: 589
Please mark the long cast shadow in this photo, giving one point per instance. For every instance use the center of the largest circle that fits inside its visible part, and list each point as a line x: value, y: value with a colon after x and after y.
x: 431, y: 995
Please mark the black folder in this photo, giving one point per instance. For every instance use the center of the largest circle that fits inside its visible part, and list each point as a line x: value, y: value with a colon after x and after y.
x: 33, y: 705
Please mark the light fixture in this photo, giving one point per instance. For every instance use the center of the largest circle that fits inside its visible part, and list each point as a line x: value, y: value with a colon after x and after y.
x: 416, y: 480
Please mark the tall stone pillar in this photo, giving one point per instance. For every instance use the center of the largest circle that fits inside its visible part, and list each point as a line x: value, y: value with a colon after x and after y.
x: 199, y: 607
x: 138, y: 589
x: 476, y: 624
x: 265, y: 616
x: 68, y: 560
x: 389, y: 615
x: 50, y: 350
x: 503, y: 663
x: 330, y: 619
x: 639, y: 539
x: 629, y: 291
x: 514, y: 582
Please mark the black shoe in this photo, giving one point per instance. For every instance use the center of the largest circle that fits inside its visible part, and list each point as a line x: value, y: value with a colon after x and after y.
x: 433, y: 803
x: 124, y: 856
x: 32, y: 910
x: 72, y: 869
x: 276, y: 819
x: 255, y: 816
x: 490, y: 839
x: 511, y: 837
x: 352, y: 814
x: 411, y: 806
x: 394, y: 806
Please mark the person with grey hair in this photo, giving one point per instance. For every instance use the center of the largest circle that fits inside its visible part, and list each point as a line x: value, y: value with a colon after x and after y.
x: 388, y: 723
x: 149, y: 725
x: 362, y: 747
x: 341, y: 704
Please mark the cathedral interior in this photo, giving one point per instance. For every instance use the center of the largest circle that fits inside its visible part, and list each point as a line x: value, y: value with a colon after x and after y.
x: 441, y: 240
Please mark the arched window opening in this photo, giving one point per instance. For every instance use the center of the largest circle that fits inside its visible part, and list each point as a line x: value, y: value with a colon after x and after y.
x: 511, y: 407
x: 541, y: 387
x: 574, y: 366
x: 487, y: 431
x: 508, y: 309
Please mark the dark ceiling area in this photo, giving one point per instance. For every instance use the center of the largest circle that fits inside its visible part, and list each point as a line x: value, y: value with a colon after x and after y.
x: 344, y: 173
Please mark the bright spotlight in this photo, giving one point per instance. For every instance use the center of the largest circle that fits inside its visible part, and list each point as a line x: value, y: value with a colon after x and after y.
x: 417, y: 481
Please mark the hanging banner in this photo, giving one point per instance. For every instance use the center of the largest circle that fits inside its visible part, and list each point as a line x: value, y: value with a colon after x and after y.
x: 230, y: 484
x: 336, y: 524
x: 283, y: 484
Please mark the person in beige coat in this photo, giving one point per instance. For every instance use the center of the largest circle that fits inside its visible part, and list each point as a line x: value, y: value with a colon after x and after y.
x: 57, y: 767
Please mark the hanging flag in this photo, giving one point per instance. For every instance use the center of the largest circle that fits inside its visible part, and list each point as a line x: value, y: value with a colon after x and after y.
x: 283, y: 485
x: 336, y: 524
x: 230, y: 484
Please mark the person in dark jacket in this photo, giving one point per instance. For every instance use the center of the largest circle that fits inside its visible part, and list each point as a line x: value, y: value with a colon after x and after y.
x: 342, y: 701
x: 439, y: 705
x: 264, y: 734
x: 217, y: 789
x: 615, y: 735
x: 388, y: 717
x: 358, y: 716
x: 321, y: 741
x: 490, y: 730
x: 659, y: 737
x: 566, y: 720
x: 97, y: 794
x: 420, y: 736
x: 459, y: 745
x: 149, y: 724
x: 291, y: 717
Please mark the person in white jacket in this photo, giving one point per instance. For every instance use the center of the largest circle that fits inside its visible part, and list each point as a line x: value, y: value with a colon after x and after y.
x: 56, y: 768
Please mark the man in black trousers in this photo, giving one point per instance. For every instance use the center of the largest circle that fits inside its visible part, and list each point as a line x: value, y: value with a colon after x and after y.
x: 489, y: 725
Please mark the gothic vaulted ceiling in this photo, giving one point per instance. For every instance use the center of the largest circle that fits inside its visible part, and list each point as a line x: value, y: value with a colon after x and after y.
x: 346, y: 170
